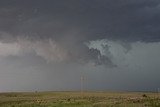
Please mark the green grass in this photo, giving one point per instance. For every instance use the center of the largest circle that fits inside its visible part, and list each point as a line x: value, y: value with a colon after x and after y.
x: 76, y: 99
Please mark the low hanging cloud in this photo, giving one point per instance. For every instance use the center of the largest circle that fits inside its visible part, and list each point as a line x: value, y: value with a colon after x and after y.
x: 139, y: 55
x: 47, y: 49
x: 104, y: 52
x: 52, y: 51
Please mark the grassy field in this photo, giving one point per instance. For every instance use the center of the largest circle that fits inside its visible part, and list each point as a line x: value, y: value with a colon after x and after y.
x: 77, y: 99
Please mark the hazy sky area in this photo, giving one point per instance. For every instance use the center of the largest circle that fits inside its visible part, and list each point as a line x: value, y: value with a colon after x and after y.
x: 49, y: 44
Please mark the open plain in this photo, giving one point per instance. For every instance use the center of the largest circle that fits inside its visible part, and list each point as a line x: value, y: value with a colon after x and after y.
x: 78, y: 99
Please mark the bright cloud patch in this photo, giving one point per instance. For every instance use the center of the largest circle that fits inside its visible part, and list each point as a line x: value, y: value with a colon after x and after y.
x: 7, y: 49
x: 140, y: 54
x: 47, y: 49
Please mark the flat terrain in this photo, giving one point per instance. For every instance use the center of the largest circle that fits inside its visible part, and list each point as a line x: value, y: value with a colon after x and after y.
x: 77, y: 99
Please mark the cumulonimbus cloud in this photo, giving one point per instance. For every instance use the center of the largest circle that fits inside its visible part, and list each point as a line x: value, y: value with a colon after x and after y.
x: 53, y: 51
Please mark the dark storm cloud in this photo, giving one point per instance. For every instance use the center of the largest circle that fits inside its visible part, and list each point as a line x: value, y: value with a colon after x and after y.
x: 123, y: 19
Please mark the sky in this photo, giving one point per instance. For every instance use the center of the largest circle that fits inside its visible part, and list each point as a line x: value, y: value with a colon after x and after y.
x: 47, y: 45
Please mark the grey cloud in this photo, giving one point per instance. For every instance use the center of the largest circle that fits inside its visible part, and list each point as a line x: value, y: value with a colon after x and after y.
x: 50, y: 50
x: 126, y: 20
x: 74, y: 36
